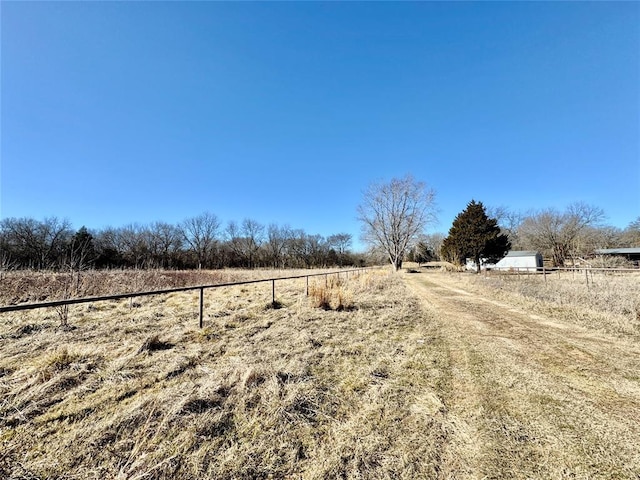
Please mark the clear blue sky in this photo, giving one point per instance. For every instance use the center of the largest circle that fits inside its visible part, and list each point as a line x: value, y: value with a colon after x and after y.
x: 118, y: 112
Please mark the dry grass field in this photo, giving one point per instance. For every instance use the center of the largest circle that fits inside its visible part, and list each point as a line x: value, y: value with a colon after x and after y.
x: 426, y: 375
x: 605, y: 301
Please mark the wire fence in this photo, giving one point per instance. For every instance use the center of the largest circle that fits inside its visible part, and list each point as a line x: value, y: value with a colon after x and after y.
x: 200, y: 288
x: 585, y: 274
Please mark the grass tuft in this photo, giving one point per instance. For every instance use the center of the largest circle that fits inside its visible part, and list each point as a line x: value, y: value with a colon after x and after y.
x: 153, y: 344
x: 320, y: 297
x: 331, y: 297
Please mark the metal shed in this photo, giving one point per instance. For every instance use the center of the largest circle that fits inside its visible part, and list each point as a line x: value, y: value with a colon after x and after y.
x: 632, y: 254
x: 516, y: 259
x: 521, y: 259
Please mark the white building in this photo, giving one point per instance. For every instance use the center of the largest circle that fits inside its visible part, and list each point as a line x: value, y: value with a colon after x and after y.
x: 520, y: 259
x: 515, y: 259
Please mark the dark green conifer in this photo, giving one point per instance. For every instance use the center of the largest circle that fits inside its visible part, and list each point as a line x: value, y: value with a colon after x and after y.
x: 475, y: 235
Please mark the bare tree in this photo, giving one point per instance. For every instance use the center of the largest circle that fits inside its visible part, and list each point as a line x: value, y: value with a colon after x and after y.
x: 558, y: 233
x: 134, y: 242
x: 509, y: 222
x: 233, y: 237
x: 317, y: 249
x: 200, y: 233
x: 631, y: 235
x: 428, y: 247
x: 394, y: 214
x: 109, y: 248
x: 302, y: 248
x: 245, y: 241
x: 38, y: 244
x: 276, y: 244
x: 340, y: 242
x: 165, y: 242
x: 252, y: 239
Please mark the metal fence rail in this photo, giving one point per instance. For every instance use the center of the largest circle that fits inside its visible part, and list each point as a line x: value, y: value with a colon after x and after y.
x: 201, y: 288
x: 545, y: 272
x: 568, y: 269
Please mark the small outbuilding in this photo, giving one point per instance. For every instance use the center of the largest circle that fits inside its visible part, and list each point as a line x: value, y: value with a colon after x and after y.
x: 520, y: 259
x: 516, y: 259
x: 631, y: 254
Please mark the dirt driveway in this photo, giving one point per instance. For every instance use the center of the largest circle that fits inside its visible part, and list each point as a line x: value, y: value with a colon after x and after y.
x: 529, y: 396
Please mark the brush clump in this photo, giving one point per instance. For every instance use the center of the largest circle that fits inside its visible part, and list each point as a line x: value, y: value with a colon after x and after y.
x: 334, y: 294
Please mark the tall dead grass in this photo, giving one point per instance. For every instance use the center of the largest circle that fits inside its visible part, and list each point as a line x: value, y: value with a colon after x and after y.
x: 27, y: 286
x: 294, y: 392
x: 605, y: 301
x: 334, y: 293
x: 23, y: 286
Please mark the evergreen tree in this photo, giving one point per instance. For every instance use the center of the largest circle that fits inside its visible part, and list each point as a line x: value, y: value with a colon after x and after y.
x: 475, y: 235
x: 82, y: 251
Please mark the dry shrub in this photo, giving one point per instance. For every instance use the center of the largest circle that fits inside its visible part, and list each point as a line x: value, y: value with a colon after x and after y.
x: 320, y: 296
x: 450, y: 267
x: 373, y: 280
x: 343, y: 300
x: 334, y: 296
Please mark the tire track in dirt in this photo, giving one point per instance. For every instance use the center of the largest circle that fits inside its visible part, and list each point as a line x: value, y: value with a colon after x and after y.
x: 532, y: 397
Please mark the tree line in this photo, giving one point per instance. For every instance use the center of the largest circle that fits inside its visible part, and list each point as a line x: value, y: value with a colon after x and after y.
x: 393, y: 215
x: 563, y: 236
x: 201, y: 241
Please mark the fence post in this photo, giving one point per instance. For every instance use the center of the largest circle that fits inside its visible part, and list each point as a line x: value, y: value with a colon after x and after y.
x: 273, y: 292
x: 201, y: 305
x: 586, y: 276
x: 307, y: 285
x: 544, y: 274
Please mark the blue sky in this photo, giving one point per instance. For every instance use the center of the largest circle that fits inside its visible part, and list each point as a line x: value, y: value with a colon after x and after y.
x: 118, y: 112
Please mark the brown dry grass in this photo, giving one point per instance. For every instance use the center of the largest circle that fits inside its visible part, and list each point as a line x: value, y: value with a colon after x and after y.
x: 533, y: 396
x: 431, y: 381
x: 606, y: 301
x: 23, y: 286
x: 258, y: 393
x: 26, y: 286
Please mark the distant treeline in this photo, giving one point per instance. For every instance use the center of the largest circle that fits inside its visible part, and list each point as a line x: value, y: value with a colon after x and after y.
x: 561, y: 236
x: 197, y: 242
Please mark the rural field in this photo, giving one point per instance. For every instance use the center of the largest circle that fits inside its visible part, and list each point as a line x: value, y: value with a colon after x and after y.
x: 379, y: 375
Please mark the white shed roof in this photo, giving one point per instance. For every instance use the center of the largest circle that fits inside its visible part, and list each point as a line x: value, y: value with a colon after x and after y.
x: 521, y: 253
